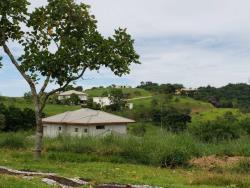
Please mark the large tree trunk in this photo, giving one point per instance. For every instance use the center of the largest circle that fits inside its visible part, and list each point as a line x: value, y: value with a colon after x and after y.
x: 39, y: 126
x: 39, y: 137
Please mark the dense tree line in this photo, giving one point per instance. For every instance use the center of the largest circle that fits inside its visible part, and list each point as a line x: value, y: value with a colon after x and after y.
x: 229, y: 96
x: 14, y: 119
x: 160, y: 88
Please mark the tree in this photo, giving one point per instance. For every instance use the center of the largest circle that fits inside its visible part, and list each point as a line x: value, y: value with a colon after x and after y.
x: 60, y: 42
x: 2, y: 121
x: 74, y: 99
x: 116, y: 98
x: 27, y: 96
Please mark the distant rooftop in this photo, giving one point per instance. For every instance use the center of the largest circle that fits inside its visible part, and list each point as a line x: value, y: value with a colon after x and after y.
x: 70, y: 92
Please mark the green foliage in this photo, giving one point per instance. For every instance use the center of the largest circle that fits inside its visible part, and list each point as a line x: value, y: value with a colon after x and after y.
x: 243, y: 166
x: 160, y: 88
x: 79, y: 45
x: 116, y: 97
x: 245, y: 124
x: 231, y: 95
x: 222, y: 128
x: 12, y: 141
x: 171, y: 119
x: 138, y: 129
x: 12, y: 13
x: 28, y: 96
x: 159, y: 149
x: 17, y: 119
x: 2, y: 121
x: 74, y: 99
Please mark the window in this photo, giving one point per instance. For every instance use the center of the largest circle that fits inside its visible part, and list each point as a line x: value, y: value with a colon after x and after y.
x: 76, y: 130
x: 100, y: 127
x: 59, y: 128
x: 85, y: 130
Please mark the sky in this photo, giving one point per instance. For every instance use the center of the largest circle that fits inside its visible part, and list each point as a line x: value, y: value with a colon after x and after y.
x: 192, y: 42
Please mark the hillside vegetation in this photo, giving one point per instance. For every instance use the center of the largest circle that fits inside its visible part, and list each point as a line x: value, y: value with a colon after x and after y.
x: 130, y: 92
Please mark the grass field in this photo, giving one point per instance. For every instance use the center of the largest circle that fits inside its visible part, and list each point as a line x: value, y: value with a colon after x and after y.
x: 133, y: 161
x: 99, y: 169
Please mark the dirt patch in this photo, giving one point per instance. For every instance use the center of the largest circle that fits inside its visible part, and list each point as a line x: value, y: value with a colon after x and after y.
x: 5, y: 171
x: 64, y: 181
x: 212, y: 161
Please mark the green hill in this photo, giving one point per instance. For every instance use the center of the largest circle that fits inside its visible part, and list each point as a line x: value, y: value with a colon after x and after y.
x: 131, y: 92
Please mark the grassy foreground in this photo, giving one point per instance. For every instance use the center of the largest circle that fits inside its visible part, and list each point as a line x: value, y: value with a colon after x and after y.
x: 103, y: 172
x: 92, y: 159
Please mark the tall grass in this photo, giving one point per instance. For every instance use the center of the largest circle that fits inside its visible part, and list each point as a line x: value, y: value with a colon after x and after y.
x: 13, y: 140
x: 162, y: 149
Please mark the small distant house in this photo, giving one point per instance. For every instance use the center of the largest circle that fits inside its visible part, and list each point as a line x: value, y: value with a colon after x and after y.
x: 84, y: 122
x: 120, y: 86
x: 102, y: 101
x: 66, y: 95
x: 130, y: 105
x: 184, y: 91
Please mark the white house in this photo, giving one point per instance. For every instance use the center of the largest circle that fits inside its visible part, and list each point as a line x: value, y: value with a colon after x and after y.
x: 66, y: 95
x: 84, y: 122
x: 103, y: 101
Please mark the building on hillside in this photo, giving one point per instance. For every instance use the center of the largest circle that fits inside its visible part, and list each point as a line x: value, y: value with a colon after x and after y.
x: 102, y: 101
x: 84, y: 122
x: 130, y: 105
x: 184, y: 91
x: 66, y: 95
x: 120, y: 86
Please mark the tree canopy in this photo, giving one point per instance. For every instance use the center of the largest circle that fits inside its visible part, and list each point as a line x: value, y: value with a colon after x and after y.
x: 60, y: 42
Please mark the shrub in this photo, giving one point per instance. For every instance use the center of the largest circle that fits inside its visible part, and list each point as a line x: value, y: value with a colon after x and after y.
x: 175, y: 158
x: 243, y: 166
x: 12, y: 141
x: 2, y: 121
x: 138, y: 130
x: 223, y: 128
x: 245, y: 124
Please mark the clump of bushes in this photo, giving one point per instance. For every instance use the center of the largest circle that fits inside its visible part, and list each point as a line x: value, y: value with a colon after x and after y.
x: 14, y: 119
x: 12, y: 141
x: 223, y: 128
x: 138, y: 129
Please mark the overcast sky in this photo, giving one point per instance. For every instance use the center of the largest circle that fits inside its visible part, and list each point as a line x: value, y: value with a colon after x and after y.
x: 193, y: 42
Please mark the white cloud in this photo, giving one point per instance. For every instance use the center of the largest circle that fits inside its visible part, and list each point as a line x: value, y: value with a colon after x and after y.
x: 194, y: 42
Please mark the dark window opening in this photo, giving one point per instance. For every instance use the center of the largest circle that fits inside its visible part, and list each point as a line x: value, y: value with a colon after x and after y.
x: 100, y: 127
x: 85, y: 130
x: 59, y: 128
x: 76, y: 129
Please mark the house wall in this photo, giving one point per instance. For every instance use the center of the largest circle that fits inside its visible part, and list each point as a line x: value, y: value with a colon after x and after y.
x: 103, y: 101
x: 81, y: 97
x: 53, y: 130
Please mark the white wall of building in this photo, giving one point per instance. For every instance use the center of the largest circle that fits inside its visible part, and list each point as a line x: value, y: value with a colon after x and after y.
x: 54, y: 130
x: 103, y: 101
x: 81, y: 97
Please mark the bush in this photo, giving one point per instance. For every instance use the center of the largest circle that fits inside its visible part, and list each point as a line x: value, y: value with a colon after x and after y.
x: 175, y: 158
x: 12, y: 141
x: 2, y: 121
x: 138, y: 130
x: 16, y: 119
x: 223, y: 128
x: 245, y: 124
x: 243, y: 166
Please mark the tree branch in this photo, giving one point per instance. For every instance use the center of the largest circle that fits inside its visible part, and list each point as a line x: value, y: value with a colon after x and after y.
x: 45, y: 84
x: 14, y: 62
x: 43, y: 103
